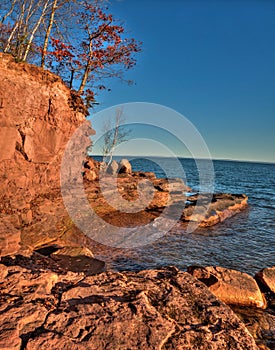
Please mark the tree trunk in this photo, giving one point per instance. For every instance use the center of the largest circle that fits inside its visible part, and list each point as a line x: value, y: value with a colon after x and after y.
x: 48, y: 32
x: 34, y: 31
x: 10, y: 37
x: 85, y: 77
x: 88, y: 66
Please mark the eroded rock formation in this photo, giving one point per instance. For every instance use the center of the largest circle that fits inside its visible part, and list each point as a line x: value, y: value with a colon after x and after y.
x: 36, y: 122
x: 47, y: 308
x: 38, y: 115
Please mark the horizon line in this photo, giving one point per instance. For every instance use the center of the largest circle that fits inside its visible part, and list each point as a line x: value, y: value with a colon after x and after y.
x: 182, y: 157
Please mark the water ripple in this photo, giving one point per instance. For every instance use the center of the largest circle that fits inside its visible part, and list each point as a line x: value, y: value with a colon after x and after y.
x: 245, y: 242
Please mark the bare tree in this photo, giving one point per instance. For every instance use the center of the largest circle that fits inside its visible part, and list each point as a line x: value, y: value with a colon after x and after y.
x: 48, y: 33
x: 34, y: 30
x: 26, y: 17
x: 114, y: 134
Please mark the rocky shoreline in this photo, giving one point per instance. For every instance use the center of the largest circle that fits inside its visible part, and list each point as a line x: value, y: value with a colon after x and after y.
x: 55, y: 293
x: 172, y: 192
x: 47, y: 304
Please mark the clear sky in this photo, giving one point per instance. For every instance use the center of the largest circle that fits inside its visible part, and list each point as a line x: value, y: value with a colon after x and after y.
x: 213, y: 62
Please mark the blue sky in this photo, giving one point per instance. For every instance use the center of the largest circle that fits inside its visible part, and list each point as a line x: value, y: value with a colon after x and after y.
x: 213, y: 62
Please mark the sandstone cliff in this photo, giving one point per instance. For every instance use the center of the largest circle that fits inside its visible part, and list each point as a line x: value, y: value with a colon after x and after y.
x: 36, y: 121
x: 38, y: 115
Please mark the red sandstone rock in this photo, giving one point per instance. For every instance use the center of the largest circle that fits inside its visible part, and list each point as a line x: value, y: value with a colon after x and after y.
x: 37, y: 118
x: 158, y: 309
x: 36, y: 122
x: 222, y: 206
x: 90, y: 175
x: 74, y: 251
x: 267, y: 278
x: 230, y: 286
x: 260, y: 324
x: 10, y: 237
x: 91, y: 163
x: 7, y: 148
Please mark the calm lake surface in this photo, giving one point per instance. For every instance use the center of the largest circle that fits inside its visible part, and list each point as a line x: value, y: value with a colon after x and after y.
x: 245, y: 242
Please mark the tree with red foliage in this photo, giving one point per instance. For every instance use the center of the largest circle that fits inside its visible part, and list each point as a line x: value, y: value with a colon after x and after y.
x: 87, y: 48
x: 103, y: 45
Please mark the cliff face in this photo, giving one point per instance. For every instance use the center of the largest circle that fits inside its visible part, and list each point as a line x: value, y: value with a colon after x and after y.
x: 38, y: 115
x: 36, y: 121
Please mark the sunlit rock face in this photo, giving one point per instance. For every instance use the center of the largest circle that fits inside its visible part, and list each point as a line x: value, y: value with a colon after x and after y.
x: 38, y: 116
x: 231, y: 286
x: 36, y: 122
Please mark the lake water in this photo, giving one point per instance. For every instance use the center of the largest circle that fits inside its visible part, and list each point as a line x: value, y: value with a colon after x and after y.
x: 245, y: 242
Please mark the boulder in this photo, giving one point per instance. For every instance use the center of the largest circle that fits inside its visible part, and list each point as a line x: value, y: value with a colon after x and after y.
x: 124, y: 167
x: 91, y: 163
x: 112, y: 168
x: 78, y: 259
x: 266, y: 277
x: 81, y: 263
x: 230, y: 286
x: 260, y: 324
x: 90, y: 175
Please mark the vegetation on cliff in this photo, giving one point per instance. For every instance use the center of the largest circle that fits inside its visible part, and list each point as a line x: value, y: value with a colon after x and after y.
x: 78, y: 40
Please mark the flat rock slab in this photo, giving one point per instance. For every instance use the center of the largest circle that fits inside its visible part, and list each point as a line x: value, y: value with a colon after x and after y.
x: 154, y: 309
x: 220, y: 207
x: 231, y: 286
x: 206, y: 209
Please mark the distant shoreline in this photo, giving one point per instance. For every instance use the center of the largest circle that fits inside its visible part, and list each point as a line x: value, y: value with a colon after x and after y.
x: 180, y: 157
